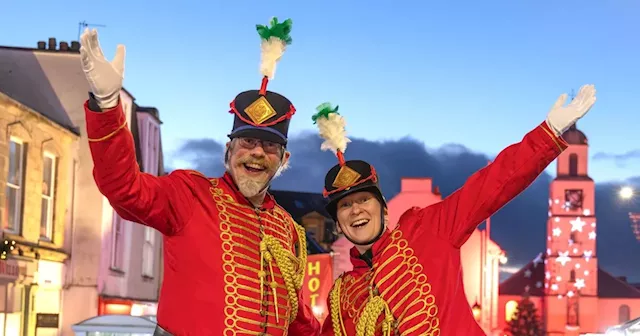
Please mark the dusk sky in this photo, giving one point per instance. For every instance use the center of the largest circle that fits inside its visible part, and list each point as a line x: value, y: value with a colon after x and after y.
x: 477, y: 73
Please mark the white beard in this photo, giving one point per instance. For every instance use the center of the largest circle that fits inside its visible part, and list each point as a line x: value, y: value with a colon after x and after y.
x: 249, y: 187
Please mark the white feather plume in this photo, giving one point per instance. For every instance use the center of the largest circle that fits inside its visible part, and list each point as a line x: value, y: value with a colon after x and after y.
x: 271, y: 52
x: 332, y: 130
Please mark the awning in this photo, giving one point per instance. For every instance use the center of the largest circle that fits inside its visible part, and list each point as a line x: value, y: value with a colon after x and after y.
x: 115, y: 324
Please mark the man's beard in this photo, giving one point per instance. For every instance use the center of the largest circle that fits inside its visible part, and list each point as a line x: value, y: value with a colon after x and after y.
x: 250, y: 187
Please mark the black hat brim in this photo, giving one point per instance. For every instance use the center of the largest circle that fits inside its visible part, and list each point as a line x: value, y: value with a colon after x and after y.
x: 257, y: 133
x: 332, y: 206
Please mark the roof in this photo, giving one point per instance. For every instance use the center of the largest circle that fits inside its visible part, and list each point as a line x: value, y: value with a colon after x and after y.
x: 150, y: 110
x: 299, y: 204
x: 530, y: 279
x: 48, y: 82
x: 573, y: 136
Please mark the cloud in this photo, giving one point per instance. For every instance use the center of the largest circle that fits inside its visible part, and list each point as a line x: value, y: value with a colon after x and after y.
x: 519, y: 227
x: 621, y: 160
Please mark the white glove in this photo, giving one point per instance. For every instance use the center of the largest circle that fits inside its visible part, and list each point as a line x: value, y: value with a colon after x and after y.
x: 104, y: 77
x: 561, y: 117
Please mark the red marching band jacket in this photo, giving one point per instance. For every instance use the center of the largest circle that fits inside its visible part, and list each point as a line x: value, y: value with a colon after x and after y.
x: 229, y: 268
x: 414, y: 286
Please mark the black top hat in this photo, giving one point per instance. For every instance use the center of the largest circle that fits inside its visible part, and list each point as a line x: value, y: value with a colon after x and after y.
x: 347, y: 176
x: 260, y: 113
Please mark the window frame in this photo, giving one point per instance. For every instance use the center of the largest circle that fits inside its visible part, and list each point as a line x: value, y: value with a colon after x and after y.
x: 19, y: 210
x: 51, y: 199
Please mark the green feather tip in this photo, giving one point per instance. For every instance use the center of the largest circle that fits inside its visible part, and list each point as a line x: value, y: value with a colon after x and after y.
x: 324, y: 110
x: 280, y: 30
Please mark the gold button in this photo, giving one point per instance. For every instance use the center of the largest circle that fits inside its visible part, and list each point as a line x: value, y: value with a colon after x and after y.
x: 265, y: 303
x: 263, y: 325
x: 263, y: 313
x: 375, y: 291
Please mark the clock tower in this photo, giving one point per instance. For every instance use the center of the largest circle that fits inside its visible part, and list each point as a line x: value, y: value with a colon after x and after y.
x: 571, y: 265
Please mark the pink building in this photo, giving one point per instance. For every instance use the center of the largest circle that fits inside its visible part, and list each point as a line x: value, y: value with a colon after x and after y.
x: 480, y: 255
x: 113, y: 266
x: 573, y: 295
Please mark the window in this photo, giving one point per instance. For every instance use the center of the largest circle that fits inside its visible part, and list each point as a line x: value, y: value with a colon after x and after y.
x: 572, y: 276
x: 510, y: 309
x: 573, y: 236
x: 152, y: 141
x: 624, y: 314
x: 147, y: 252
x: 117, y: 245
x: 15, y: 186
x: 48, y: 196
x: 573, y: 165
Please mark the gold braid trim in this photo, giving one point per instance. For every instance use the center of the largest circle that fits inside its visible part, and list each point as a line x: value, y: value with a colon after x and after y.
x: 110, y: 135
x: 270, y: 249
x: 302, y: 255
x: 336, y: 311
x: 368, y: 320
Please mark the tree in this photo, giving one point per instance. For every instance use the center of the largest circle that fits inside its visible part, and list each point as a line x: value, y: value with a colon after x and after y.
x: 525, y: 320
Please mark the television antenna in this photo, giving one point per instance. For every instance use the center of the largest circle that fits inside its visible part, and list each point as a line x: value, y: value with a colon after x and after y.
x: 85, y: 24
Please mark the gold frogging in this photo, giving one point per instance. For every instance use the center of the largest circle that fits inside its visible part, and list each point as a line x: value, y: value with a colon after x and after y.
x: 402, y: 277
x: 243, y: 260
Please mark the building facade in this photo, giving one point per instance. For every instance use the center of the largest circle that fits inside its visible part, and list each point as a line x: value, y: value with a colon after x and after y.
x: 36, y: 165
x: 570, y: 290
x: 113, y: 266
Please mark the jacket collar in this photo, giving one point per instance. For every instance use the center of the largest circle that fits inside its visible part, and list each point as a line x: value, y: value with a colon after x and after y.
x: 366, y: 260
x: 268, y: 204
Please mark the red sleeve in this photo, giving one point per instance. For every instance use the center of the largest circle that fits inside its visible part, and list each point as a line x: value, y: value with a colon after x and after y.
x: 305, y: 323
x: 164, y: 203
x: 327, y: 325
x: 489, y: 189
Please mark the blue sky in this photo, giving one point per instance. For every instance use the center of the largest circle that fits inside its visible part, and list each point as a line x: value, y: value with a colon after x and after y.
x: 478, y: 73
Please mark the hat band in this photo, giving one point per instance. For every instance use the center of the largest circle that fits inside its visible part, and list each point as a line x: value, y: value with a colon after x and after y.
x: 267, y: 129
x: 288, y: 115
x: 373, y: 177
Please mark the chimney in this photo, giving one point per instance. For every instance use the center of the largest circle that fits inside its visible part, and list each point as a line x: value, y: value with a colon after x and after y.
x: 64, y: 46
x: 52, y: 43
x: 75, y: 46
x: 623, y: 279
x: 42, y: 45
x: 436, y: 190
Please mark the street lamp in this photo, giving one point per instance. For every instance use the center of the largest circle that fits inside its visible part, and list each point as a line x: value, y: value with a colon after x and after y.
x: 476, y: 310
x: 626, y: 193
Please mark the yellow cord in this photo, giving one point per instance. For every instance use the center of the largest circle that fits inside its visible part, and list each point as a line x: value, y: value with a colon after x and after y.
x: 291, y: 267
x: 336, y: 312
x: 368, y: 320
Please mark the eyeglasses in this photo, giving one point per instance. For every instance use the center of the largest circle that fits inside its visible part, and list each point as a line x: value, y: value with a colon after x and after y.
x: 268, y: 146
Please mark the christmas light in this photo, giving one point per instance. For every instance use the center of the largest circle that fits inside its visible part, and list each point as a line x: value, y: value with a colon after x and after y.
x: 577, y: 224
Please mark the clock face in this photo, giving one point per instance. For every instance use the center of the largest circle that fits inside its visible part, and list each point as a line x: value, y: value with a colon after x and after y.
x: 573, y: 199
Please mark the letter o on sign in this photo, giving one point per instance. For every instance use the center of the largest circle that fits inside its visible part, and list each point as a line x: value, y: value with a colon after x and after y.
x: 314, y: 284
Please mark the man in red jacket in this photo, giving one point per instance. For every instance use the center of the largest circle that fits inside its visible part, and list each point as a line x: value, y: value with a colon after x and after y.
x: 230, y: 260
x: 409, y: 281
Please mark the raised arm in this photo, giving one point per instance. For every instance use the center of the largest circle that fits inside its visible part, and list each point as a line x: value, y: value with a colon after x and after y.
x: 164, y: 203
x: 512, y: 171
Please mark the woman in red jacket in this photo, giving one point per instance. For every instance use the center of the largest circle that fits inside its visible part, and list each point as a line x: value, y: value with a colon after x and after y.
x: 409, y: 281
